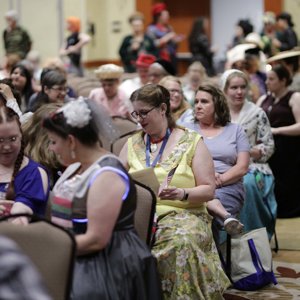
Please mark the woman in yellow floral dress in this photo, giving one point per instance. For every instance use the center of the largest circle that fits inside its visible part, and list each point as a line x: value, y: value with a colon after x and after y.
x: 188, y: 261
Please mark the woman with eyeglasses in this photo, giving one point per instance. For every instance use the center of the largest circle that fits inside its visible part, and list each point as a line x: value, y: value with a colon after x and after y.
x: 188, y: 261
x: 180, y: 108
x: 24, y: 184
x: 53, y: 89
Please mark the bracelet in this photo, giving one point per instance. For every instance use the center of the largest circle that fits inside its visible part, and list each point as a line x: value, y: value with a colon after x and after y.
x: 185, y: 195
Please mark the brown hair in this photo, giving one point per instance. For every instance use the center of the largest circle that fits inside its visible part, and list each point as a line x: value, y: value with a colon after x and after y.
x: 155, y: 95
x: 222, y: 114
x: 7, y: 115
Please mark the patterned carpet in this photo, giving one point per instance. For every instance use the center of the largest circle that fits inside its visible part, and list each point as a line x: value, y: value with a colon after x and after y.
x: 288, y: 287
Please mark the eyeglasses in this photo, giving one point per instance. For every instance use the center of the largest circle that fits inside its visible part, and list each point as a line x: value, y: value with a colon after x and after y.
x: 141, y: 114
x: 60, y: 89
x: 9, y: 140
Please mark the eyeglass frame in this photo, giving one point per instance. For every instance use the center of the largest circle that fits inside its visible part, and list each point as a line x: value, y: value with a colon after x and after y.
x: 59, y: 89
x: 142, y: 115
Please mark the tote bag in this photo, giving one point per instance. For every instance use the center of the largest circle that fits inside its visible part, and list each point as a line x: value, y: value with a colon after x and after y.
x: 249, y: 260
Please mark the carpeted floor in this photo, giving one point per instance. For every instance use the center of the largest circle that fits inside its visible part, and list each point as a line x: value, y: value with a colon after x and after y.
x: 287, y: 233
x: 286, y: 266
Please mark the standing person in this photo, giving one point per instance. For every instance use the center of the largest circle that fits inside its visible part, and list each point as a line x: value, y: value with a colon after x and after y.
x: 136, y: 43
x: 286, y: 36
x: 165, y: 38
x: 109, y: 94
x: 24, y: 184
x: 188, y: 261
x: 199, y: 45
x: 15, y: 39
x: 112, y: 262
x: 260, y: 207
x: 73, y: 46
x: 229, y: 147
x: 283, y: 110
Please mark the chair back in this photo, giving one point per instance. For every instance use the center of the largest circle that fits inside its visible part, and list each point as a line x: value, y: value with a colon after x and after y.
x: 124, y: 125
x: 50, y: 248
x: 145, y: 210
x: 118, y: 144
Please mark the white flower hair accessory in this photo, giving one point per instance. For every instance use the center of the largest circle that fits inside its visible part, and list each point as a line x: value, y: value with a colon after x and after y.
x: 77, y: 113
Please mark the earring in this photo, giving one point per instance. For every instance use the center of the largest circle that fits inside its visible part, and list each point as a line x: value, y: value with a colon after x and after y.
x: 73, y: 155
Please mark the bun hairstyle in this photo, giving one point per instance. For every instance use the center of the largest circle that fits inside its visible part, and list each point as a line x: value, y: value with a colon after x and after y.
x: 283, y: 73
x: 7, y: 115
x: 155, y: 95
x: 84, y: 119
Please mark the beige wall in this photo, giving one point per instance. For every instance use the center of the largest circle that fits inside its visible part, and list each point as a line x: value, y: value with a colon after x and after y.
x: 293, y: 7
x: 42, y: 20
x: 45, y: 23
x: 103, y: 14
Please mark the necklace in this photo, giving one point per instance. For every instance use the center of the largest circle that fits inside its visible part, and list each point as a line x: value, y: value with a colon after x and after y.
x: 161, y: 150
x: 153, y: 144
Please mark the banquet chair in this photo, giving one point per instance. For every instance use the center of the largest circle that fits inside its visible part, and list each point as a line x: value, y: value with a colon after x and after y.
x: 50, y: 248
x: 118, y: 144
x: 145, y: 210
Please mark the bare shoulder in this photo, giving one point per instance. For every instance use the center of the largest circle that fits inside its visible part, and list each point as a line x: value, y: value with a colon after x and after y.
x: 295, y: 99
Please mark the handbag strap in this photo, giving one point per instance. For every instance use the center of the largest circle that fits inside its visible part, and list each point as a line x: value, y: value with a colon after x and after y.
x: 255, y: 256
x: 274, y: 224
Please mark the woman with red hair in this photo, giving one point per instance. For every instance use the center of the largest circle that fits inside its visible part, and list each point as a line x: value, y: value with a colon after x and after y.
x: 72, y: 48
x: 163, y: 34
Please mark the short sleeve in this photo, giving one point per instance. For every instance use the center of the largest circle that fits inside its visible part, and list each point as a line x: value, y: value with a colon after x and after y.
x: 29, y: 189
x: 242, y: 141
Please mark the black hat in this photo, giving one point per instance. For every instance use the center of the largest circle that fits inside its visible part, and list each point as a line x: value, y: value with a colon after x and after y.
x: 167, y: 66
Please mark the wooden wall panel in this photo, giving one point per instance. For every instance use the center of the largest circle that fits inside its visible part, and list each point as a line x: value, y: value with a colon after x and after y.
x: 274, y: 5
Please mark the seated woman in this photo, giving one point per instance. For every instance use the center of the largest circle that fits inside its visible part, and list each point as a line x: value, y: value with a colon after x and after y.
x: 229, y: 147
x: 112, y: 262
x: 188, y: 261
x: 37, y: 141
x: 53, y: 89
x: 22, y: 81
x: 24, y: 184
x: 180, y: 108
x: 260, y: 205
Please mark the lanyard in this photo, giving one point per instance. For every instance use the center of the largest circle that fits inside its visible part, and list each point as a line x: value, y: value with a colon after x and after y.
x: 161, y: 150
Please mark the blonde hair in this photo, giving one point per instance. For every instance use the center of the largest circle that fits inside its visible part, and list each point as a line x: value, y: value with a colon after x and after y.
x: 36, y: 138
x: 184, y: 105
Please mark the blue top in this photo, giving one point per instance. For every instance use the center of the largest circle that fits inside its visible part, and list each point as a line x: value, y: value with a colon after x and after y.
x: 29, y: 188
x: 225, y: 146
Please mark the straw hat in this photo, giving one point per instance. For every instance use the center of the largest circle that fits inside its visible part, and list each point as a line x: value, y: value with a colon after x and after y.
x: 109, y: 71
x: 283, y: 55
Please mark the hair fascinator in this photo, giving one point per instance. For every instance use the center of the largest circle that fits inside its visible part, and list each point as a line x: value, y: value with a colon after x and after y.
x: 77, y: 113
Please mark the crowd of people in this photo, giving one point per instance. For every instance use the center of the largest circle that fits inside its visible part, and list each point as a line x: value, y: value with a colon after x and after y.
x: 225, y: 149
